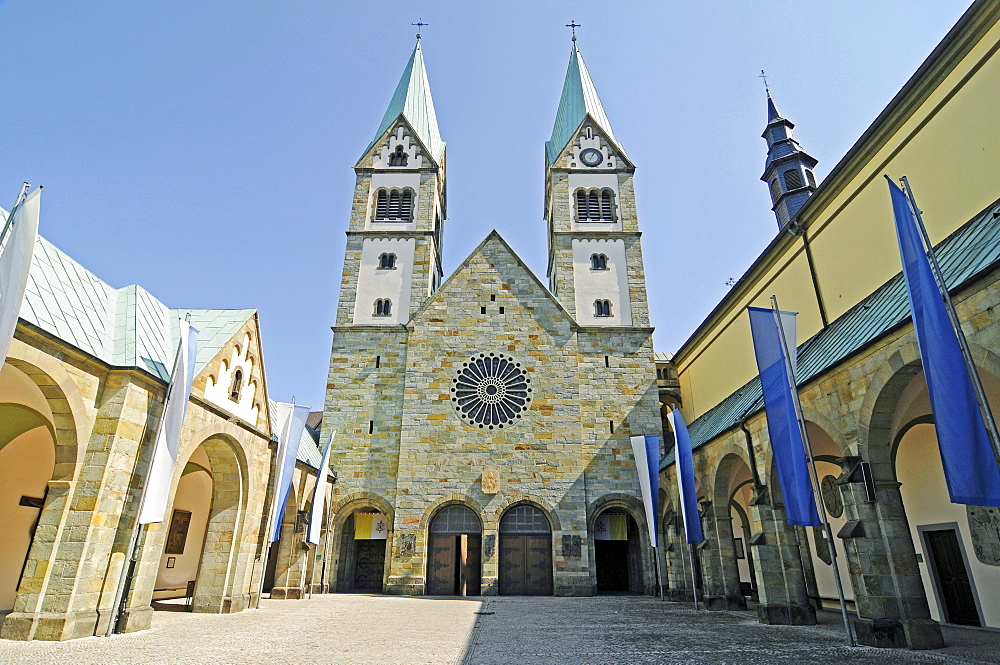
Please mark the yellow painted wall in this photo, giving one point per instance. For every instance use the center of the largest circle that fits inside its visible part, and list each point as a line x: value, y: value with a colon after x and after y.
x: 949, y: 148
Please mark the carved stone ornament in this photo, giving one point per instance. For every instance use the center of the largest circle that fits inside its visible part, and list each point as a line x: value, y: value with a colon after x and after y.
x: 489, y: 545
x: 984, y: 524
x: 491, y: 481
x: 407, y: 544
x: 831, y: 496
x: 572, y: 546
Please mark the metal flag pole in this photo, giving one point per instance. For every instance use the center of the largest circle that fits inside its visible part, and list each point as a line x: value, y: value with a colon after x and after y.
x: 656, y: 566
x: 977, y: 384
x: 274, y: 498
x: 124, y: 586
x: 13, y: 210
x: 812, y: 468
x: 694, y: 580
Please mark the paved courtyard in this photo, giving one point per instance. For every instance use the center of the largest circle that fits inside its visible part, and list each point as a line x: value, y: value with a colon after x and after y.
x: 376, y: 630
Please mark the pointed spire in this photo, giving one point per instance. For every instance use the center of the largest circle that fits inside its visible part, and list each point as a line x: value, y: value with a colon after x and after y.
x: 772, y: 111
x: 579, y: 99
x: 788, y: 169
x: 412, y: 100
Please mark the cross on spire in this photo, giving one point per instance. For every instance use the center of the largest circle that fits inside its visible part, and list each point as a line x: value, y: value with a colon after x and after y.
x: 420, y: 23
x: 764, y: 76
x: 573, y: 25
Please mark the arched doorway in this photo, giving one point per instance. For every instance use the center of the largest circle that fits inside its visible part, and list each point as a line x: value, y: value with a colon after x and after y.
x: 525, y: 552
x: 27, y: 463
x: 362, y: 556
x: 454, y: 561
x: 617, y: 553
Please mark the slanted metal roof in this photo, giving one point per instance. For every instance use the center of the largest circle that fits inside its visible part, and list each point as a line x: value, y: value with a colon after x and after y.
x: 969, y: 251
x: 579, y: 99
x: 412, y: 100
x: 124, y: 327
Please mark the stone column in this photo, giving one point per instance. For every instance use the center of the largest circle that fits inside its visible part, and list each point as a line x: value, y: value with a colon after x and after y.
x: 678, y: 572
x: 718, y: 556
x: 892, y: 606
x: 780, y: 582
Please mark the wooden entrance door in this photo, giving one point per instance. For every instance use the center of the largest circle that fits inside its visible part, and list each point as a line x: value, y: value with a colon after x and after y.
x: 453, y: 565
x: 953, y: 583
x: 526, y: 565
x: 369, y: 565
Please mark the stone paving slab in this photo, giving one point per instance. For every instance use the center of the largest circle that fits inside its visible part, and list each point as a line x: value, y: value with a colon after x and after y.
x: 358, y: 629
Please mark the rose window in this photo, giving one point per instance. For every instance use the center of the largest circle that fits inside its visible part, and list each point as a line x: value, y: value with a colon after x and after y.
x: 491, y: 390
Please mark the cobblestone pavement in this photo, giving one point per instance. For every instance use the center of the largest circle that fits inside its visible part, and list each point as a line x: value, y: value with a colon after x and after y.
x: 356, y: 629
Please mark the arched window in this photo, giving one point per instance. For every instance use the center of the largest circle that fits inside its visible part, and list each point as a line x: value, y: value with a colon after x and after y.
x: 595, y: 206
x: 524, y: 519
x: 793, y: 179
x: 383, y: 307
x: 237, y: 387
x: 398, y: 158
x: 602, y: 308
x: 810, y: 178
x: 775, y: 191
x: 386, y: 261
x: 598, y: 262
x: 394, y: 205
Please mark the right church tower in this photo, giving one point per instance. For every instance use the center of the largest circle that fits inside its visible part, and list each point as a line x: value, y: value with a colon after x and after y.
x: 595, y: 259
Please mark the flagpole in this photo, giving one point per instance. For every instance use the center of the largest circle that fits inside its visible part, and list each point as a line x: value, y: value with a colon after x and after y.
x: 13, y: 210
x: 694, y: 580
x: 977, y: 384
x: 124, y: 585
x: 271, y: 512
x: 656, y: 566
x: 812, y: 468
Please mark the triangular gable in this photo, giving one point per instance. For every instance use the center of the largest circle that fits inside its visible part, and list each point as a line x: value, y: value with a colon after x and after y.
x: 574, y: 140
x: 492, y: 237
x: 376, y: 145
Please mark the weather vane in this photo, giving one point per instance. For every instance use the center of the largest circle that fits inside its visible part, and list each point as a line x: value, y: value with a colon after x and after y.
x: 573, y: 25
x: 420, y: 23
x: 764, y: 76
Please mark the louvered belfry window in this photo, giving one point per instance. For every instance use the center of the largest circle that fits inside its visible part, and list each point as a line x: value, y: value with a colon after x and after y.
x: 793, y: 179
x: 595, y: 206
x: 394, y: 205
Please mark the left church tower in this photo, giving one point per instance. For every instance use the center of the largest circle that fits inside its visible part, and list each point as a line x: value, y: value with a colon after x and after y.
x: 391, y: 266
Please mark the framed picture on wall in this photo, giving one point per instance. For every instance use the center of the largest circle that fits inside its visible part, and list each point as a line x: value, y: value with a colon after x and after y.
x: 738, y: 547
x: 178, y: 533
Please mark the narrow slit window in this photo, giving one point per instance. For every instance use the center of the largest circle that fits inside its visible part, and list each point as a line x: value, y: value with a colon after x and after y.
x: 607, y: 361
x: 611, y: 426
x: 378, y: 361
x: 501, y: 309
x: 482, y: 310
x: 237, y: 387
x: 371, y: 426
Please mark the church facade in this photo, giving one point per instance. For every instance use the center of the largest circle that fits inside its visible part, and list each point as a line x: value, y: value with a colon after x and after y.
x: 484, y: 421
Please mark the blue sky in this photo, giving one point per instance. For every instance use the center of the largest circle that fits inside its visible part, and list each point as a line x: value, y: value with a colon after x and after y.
x: 205, y: 149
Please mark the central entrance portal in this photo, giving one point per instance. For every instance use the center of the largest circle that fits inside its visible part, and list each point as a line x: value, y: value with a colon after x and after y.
x: 362, y: 566
x: 525, y: 553
x: 454, y: 564
x: 617, y: 554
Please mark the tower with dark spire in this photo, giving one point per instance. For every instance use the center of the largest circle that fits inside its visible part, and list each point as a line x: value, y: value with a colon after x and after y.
x: 788, y: 170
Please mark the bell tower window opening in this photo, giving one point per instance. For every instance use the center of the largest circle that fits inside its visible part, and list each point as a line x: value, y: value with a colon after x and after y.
x: 387, y: 261
x: 598, y: 262
x: 602, y: 308
x: 394, y: 205
x: 775, y: 191
x: 810, y: 178
x: 237, y: 387
x: 398, y: 157
x: 793, y: 179
x: 383, y: 307
x: 595, y: 205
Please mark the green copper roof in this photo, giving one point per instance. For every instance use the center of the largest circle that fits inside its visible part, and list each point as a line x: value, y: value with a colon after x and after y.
x: 579, y: 99
x: 124, y: 327
x: 412, y: 100
x: 964, y: 255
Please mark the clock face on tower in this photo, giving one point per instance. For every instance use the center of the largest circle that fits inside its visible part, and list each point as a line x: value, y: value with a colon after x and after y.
x: 591, y: 157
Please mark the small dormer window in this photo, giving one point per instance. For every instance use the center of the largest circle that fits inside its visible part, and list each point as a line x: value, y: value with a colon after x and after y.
x: 237, y: 386
x: 602, y: 308
x: 398, y: 157
x: 598, y: 262
x: 793, y: 179
x: 386, y: 261
x: 383, y: 307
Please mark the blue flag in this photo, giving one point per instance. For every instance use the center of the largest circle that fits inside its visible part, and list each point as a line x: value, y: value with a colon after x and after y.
x: 646, y: 450
x: 292, y: 418
x: 782, y: 424
x: 685, y: 478
x: 970, y: 466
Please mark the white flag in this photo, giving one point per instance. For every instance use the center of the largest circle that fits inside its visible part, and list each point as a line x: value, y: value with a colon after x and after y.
x: 319, y: 495
x: 168, y: 436
x: 15, y: 262
x: 291, y: 423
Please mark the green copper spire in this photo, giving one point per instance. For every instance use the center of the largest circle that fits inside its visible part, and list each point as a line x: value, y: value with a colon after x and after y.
x: 579, y: 99
x: 412, y: 100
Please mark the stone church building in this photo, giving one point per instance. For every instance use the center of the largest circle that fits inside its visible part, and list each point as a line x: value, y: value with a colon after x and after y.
x: 485, y: 419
